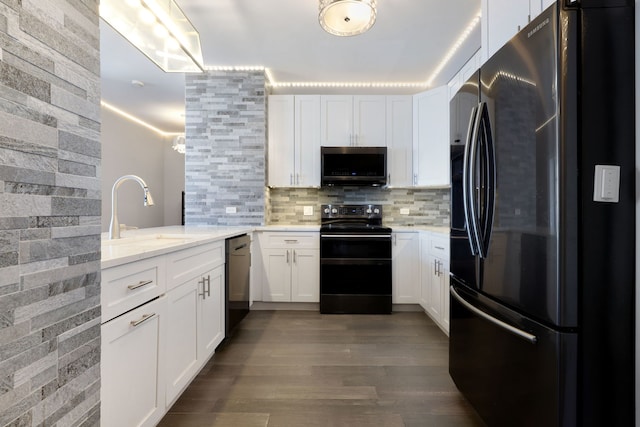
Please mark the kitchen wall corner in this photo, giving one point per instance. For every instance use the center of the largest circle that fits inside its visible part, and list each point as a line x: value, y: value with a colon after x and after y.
x: 50, y: 207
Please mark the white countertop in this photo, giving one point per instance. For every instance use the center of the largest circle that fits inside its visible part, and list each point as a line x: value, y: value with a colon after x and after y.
x: 135, y: 245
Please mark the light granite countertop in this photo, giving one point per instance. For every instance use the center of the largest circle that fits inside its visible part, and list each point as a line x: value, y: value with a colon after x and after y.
x: 135, y: 245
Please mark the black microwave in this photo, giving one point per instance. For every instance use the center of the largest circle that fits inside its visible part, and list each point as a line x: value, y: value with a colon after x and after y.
x: 364, y: 166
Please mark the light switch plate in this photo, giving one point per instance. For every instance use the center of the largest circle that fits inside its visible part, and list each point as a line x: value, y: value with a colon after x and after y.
x: 231, y: 209
x: 404, y: 211
x: 606, y: 183
x: 308, y: 210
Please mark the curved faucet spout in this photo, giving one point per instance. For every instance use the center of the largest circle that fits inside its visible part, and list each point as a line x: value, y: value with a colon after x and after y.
x: 114, y: 225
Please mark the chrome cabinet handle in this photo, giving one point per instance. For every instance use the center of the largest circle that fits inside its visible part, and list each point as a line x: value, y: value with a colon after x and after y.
x: 290, y: 179
x: 297, y: 179
x: 518, y: 332
x: 140, y: 284
x: 287, y: 257
x: 294, y: 257
x: 144, y: 318
x: 439, y: 247
x: 291, y: 240
x: 205, y: 293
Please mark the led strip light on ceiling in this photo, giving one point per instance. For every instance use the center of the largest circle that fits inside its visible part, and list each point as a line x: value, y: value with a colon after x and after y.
x: 272, y: 83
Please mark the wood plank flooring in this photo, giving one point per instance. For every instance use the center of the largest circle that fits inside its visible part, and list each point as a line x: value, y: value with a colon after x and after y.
x: 303, y: 368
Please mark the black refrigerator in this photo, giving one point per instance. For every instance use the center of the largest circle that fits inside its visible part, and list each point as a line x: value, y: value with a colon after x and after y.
x: 543, y: 223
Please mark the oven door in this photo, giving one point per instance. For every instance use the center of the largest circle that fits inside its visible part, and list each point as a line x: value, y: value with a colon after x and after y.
x: 355, y: 273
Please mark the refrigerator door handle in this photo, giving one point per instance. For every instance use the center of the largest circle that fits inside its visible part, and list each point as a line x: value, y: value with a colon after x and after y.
x: 467, y: 190
x: 517, y: 332
x: 470, y: 182
x: 489, y: 180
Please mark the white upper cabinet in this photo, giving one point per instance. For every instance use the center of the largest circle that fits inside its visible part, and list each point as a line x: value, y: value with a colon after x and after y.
x: 370, y: 121
x: 294, y: 141
x: 348, y: 120
x: 400, y: 140
x: 431, y: 138
x: 281, y: 140
x: 502, y: 19
x: 307, y: 141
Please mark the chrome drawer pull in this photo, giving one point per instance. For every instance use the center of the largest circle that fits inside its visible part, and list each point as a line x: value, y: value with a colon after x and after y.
x: 144, y: 318
x: 291, y: 240
x: 439, y: 247
x: 140, y: 284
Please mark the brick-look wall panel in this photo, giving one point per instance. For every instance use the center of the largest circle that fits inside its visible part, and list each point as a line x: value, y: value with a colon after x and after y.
x: 226, y: 140
x: 426, y: 206
x: 49, y: 213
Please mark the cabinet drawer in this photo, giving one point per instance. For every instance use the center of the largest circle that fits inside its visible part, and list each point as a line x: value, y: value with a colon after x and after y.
x: 127, y: 286
x: 189, y: 263
x: 291, y: 240
x: 439, y: 246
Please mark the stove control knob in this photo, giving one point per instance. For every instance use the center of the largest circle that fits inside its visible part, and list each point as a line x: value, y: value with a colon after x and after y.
x: 334, y: 211
x: 368, y: 210
x: 376, y: 211
x: 326, y: 210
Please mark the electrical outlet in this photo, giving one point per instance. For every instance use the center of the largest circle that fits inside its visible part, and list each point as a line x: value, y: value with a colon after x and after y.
x: 308, y: 210
x: 231, y: 209
x: 404, y: 211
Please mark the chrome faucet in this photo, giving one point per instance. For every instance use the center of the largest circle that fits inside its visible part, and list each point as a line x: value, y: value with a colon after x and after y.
x: 114, y: 225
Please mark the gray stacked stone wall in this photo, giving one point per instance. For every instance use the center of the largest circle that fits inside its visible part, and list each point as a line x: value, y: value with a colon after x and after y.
x: 426, y: 206
x: 226, y: 145
x: 49, y: 213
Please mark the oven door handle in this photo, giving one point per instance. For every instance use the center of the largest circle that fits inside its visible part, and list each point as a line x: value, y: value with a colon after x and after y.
x: 352, y: 236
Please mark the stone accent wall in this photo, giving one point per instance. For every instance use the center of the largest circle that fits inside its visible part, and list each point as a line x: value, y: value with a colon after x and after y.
x: 49, y: 213
x: 426, y: 206
x: 226, y: 147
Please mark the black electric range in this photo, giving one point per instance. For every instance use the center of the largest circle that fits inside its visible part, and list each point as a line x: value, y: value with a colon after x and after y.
x: 355, y: 260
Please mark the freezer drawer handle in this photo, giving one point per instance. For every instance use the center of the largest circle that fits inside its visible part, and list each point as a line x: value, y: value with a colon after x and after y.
x: 518, y: 332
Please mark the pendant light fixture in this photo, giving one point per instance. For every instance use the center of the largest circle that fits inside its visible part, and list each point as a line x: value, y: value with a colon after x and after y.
x: 347, y: 17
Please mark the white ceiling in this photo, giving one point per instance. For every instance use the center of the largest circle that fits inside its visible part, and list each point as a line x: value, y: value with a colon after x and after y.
x: 406, y: 44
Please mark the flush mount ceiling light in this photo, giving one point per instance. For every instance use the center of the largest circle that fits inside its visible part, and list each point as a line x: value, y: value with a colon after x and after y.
x: 347, y: 17
x: 159, y: 29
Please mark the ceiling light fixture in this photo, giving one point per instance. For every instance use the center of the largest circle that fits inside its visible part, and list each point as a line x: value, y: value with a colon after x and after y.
x: 159, y: 29
x: 347, y: 17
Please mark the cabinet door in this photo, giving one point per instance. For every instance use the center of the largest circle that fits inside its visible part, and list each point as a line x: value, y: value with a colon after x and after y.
x: 436, y: 306
x: 501, y: 20
x: 400, y: 140
x: 305, y: 275
x: 211, y: 299
x: 307, y: 141
x: 370, y: 121
x: 431, y: 138
x: 425, y: 271
x: 132, y: 354
x: 336, y: 118
x: 277, y: 278
x: 406, y: 268
x: 281, y: 141
x: 182, y: 339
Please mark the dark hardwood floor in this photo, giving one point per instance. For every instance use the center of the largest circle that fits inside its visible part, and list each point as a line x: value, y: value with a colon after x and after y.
x: 302, y: 368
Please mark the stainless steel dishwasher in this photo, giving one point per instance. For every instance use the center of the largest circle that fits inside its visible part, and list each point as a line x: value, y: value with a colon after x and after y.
x: 237, y: 267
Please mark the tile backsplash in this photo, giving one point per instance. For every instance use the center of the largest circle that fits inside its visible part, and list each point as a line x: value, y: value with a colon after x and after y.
x: 426, y: 206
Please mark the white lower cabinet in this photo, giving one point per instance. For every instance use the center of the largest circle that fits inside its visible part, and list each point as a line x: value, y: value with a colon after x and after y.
x: 434, y: 277
x: 195, y: 315
x: 132, y: 367
x: 291, y: 266
x: 152, y: 352
x: 405, y: 267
